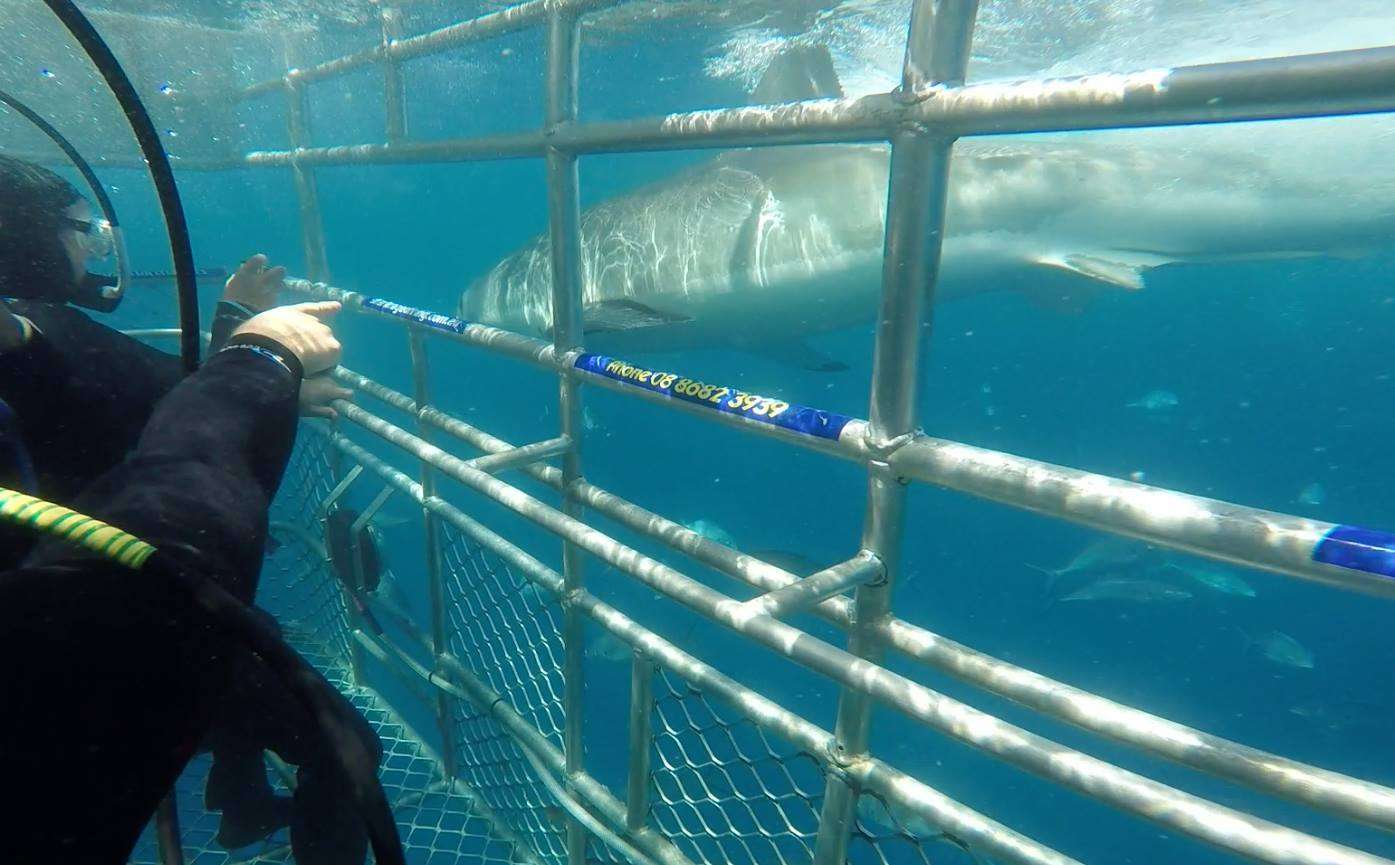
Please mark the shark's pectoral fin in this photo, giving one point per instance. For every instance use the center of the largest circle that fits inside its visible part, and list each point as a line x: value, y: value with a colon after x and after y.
x: 797, y: 353
x: 1107, y: 272
x: 1066, y: 283
x: 609, y: 316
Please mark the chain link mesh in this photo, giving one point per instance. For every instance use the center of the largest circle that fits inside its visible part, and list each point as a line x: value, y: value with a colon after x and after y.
x: 504, y: 628
x: 296, y: 584
x: 436, y: 818
x: 722, y: 791
x: 885, y: 835
x: 507, y: 632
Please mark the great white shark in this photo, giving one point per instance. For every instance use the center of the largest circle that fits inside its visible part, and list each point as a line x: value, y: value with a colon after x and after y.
x: 759, y: 249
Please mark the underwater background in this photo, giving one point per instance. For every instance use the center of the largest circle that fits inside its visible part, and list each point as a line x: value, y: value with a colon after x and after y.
x: 1269, y: 384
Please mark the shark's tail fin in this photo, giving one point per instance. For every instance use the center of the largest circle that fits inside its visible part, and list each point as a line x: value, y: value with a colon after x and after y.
x: 1052, y: 576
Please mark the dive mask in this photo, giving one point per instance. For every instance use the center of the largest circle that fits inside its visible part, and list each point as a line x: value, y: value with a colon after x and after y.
x: 95, y: 236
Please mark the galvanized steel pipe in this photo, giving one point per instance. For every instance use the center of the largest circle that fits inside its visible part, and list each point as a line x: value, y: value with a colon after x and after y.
x: 1315, y: 85
x: 1177, y: 810
x: 1320, y: 788
x: 489, y: 26
x: 892, y: 785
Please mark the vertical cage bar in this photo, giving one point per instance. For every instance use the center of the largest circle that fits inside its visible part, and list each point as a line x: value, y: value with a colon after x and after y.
x: 431, y: 524
x: 937, y: 51
x: 167, y: 833
x: 564, y: 217
x: 641, y: 711
x: 394, y: 85
x: 312, y: 226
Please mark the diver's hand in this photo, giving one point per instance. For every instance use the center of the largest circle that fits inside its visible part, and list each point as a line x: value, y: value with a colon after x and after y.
x: 316, y: 394
x: 301, y: 328
x: 255, y: 285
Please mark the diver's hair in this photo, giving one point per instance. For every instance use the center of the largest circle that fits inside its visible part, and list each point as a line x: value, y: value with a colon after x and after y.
x: 32, y: 201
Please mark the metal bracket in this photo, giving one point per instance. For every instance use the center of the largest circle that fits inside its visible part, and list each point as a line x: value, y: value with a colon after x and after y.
x: 881, y: 451
x: 521, y: 456
x: 814, y: 589
x: 357, y: 527
x: 338, y: 492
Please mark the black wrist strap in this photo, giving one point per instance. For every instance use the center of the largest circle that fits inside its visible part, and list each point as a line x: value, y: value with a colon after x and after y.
x: 278, y: 351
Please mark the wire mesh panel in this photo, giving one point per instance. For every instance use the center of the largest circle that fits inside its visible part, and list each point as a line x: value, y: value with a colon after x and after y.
x: 435, y: 815
x: 496, y: 769
x: 296, y: 585
x: 888, y: 835
x: 723, y: 792
x: 505, y: 630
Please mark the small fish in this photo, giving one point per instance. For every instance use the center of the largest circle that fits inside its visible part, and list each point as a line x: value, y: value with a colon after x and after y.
x: 1155, y: 400
x: 1312, y: 494
x: 1217, y: 578
x: 1137, y: 591
x: 608, y: 647
x: 712, y: 532
x: 1108, y: 555
x: 1282, y: 649
x: 1340, y: 716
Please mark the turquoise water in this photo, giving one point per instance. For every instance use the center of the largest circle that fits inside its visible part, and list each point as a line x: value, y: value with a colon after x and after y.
x: 1279, y: 374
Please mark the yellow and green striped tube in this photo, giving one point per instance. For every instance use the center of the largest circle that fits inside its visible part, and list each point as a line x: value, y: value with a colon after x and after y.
x: 69, y: 525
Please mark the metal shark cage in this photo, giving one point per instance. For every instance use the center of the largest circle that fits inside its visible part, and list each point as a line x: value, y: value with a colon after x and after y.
x: 717, y: 771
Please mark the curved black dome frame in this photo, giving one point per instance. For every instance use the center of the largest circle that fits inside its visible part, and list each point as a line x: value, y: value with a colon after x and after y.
x: 99, y: 192
x: 158, y: 163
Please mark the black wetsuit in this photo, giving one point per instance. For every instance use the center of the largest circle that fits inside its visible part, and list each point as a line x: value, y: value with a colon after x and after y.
x: 82, y: 392
x: 112, y: 679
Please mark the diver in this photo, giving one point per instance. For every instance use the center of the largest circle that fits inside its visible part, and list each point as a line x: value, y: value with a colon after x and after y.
x: 64, y: 375
x: 113, y: 677
x: 74, y: 398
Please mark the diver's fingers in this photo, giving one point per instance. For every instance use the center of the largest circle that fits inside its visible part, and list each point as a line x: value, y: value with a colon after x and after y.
x: 321, y: 309
x: 324, y: 411
x: 303, y: 331
x: 252, y: 265
x: 252, y: 284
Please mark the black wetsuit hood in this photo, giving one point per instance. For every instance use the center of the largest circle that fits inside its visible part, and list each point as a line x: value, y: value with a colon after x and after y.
x: 33, y: 263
